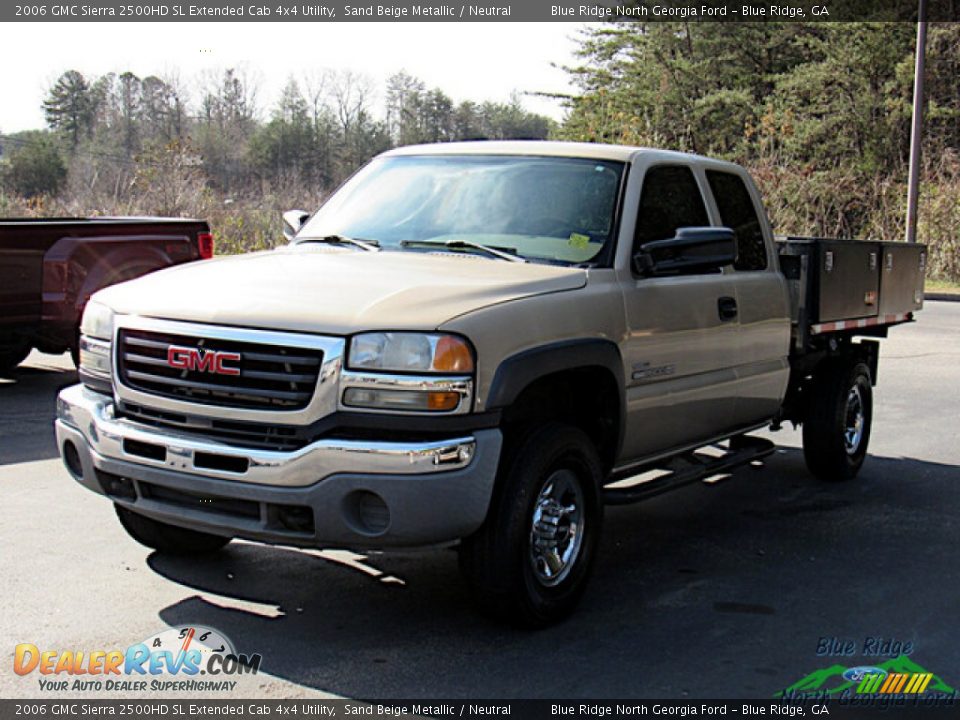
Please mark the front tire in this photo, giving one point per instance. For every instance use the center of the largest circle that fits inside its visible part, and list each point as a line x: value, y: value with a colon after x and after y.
x: 836, y: 431
x: 530, y: 561
x: 168, y: 539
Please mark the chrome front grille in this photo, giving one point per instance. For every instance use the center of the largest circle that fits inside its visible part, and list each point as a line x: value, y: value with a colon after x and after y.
x: 263, y: 377
x: 263, y: 436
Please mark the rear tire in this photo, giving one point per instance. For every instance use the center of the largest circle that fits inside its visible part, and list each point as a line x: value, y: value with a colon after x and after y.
x: 836, y: 431
x: 530, y: 561
x: 168, y: 539
x: 12, y: 353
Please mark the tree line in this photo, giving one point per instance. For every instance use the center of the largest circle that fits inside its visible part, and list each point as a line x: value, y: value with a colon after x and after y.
x: 819, y: 112
x: 105, y: 133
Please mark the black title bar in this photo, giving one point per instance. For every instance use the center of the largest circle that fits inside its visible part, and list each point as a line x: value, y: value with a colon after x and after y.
x: 645, y: 11
x: 891, y: 707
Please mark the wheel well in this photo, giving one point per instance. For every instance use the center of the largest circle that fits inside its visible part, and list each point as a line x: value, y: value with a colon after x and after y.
x: 587, y: 398
x: 805, y: 374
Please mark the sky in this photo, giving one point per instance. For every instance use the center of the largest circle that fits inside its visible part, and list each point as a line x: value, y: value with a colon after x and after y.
x: 468, y: 61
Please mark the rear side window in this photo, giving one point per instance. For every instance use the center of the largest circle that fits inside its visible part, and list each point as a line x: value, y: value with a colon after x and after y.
x: 738, y: 213
x: 670, y: 199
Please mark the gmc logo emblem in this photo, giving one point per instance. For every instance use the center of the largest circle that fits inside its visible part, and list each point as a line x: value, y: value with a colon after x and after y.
x: 210, y: 361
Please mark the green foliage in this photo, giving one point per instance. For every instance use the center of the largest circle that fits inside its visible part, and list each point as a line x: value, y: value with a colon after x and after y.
x: 70, y: 106
x: 33, y: 165
x: 291, y: 143
x: 688, y: 87
x: 418, y: 115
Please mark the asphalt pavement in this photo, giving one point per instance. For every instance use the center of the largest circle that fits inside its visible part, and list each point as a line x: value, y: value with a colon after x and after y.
x: 721, y: 590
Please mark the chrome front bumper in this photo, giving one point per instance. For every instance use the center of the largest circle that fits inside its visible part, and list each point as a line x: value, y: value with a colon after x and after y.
x: 432, y: 492
x: 93, y: 415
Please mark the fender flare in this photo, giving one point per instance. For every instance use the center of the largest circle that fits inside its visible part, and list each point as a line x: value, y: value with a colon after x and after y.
x: 518, y: 371
x: 116, y: 264
x: 75, y: 268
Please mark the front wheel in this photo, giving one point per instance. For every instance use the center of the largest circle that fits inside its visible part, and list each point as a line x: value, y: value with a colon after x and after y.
x: 530, y: 561
x: 168, y: 539
x: 836, y: 431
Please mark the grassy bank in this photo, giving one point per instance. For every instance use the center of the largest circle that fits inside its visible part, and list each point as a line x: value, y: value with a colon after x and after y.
x: 943, y: 287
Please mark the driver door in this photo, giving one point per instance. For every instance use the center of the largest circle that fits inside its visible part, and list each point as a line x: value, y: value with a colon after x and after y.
x: 681, y: 347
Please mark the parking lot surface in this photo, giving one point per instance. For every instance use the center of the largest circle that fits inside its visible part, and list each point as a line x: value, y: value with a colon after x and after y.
x: 714, y: 591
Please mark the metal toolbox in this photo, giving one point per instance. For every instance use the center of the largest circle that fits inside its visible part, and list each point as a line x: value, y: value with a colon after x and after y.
x: 832, y: 279
x: 903, y: 267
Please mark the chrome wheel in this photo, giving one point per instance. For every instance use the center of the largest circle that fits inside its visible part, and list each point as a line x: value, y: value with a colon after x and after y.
x: 855, y: 421
x: 556, y: 531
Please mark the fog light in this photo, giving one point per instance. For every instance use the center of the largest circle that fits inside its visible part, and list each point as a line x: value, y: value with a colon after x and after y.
x: 401, y: 399
x: 71, y: 458
x: 366, y: 513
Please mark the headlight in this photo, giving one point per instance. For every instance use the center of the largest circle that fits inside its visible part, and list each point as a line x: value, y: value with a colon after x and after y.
x: 96, y: 335
x: 97, y: 321
x: 94, y: 357
x: 410, y: 352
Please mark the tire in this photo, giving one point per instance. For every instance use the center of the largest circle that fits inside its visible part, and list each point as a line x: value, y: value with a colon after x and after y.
x: 836, y: 431
x: 12, y: 353
x: 166, y: 538
x: 75, y: 348
x: 530, y: 561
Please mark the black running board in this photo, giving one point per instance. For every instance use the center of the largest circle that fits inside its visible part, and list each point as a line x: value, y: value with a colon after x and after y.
x: 690, y: 468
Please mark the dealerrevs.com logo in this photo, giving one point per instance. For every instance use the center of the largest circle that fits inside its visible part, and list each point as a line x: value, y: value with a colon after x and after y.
x: 194, y: 658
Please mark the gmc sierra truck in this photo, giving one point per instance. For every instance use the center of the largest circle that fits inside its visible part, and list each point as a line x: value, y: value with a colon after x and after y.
x: 480, y: 345
x: 49, y: 268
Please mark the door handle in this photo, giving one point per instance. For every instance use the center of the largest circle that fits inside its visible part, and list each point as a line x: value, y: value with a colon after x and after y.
x: 727, y: 308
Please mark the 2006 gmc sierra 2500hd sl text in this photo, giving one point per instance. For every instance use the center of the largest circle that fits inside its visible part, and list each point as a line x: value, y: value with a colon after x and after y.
x: 479, y: 343
x: 49, y: 268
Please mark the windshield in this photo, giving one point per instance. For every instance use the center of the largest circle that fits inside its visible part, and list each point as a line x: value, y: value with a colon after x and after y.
x: 539, y: 208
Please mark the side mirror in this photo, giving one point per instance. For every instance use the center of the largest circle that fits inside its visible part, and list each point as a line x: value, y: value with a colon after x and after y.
x: 293, y: 220
x: 691, y: 250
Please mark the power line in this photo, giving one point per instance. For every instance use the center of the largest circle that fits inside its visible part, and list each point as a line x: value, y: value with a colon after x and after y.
x: 23, y: 142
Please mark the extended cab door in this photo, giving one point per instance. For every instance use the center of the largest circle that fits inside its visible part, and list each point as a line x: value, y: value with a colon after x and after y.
x: 682, y: 339
x: 763, y: 315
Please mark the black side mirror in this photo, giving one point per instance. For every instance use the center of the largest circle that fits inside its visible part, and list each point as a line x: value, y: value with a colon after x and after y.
x: 293, y: 220
x: 691, y: 250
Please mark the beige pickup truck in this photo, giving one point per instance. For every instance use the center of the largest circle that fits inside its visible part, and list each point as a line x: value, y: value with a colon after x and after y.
x: 480, y: 345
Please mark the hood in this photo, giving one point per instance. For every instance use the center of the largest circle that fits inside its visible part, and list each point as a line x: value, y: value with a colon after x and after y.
x: 318, y: 288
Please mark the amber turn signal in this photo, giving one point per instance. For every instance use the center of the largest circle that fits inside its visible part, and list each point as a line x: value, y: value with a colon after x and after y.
x: 452, y: 355
x: 442, y: 400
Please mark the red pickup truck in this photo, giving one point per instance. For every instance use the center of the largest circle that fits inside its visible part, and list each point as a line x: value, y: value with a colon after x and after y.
x: 49, y: 268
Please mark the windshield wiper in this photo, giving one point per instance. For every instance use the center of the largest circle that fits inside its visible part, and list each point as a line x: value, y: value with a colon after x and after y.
x: 501, y: 253
x: 368, y: 245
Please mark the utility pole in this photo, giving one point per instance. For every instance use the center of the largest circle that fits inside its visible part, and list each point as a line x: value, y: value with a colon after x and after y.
x: 916, y: 131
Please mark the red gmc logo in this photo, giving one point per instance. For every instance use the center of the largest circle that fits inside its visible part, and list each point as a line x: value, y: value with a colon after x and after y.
x: 210, y: 361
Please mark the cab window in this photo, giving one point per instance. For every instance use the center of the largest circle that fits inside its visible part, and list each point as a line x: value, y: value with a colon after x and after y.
x: 738, y: 213
x: 670, y: 199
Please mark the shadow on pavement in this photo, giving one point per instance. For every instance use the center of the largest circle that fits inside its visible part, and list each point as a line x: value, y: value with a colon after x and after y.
x: 712, y: 591
x: 28, y: 407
